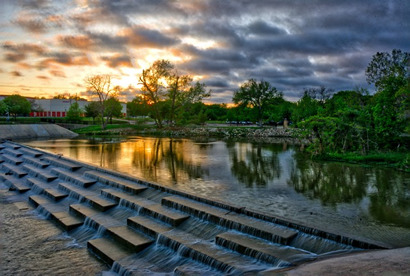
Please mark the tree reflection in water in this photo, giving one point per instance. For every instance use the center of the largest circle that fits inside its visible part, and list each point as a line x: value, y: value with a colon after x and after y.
x: 334, y: 183
x: 255, y: 164
x: 171, y: 156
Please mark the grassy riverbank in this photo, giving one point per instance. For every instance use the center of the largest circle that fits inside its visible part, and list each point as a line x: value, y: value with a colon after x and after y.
x: 398, y: 160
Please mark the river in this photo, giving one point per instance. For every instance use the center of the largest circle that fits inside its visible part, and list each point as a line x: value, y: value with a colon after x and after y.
x: 369, y: 203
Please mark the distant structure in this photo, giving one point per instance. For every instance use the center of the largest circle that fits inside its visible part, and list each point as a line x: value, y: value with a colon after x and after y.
x: 55, y: 107
x: 58, y: 107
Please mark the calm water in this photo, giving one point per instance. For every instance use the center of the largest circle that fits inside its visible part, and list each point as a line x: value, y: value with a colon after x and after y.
x: 272, y: 177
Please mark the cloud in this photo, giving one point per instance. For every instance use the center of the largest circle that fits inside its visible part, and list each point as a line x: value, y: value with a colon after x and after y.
x: 76, y: 41
x: 143, y: 37
x: 292, y: 45
x: 14, y: 57
x: 16, y: 74
x: 42, y: 77
x: 19, y: 52
x: 31, y: 23
x: 118, y: 60
x: 66, y: 59
x: 58, y: 73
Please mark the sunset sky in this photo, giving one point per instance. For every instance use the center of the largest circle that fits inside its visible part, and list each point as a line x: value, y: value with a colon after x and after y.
x: 50, y: 47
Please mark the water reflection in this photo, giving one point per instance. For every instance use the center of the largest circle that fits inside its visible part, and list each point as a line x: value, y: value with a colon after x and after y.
x: 259, y: 174
x: 255, y: 164
x: 332, y: 183
x: 391, y: 202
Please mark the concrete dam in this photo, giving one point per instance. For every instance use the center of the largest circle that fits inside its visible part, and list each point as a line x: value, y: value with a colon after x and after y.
x: 138, y: 227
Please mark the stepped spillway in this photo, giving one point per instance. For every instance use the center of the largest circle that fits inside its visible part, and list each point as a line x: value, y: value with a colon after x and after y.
x: 134, y: 225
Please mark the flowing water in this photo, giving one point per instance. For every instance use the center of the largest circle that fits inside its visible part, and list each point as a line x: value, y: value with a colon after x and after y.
x: 273, y: 177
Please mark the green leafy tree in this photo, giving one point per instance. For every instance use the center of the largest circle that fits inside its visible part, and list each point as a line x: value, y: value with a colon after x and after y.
x: 92, y: 110
x: 17, y: 105
x: 161, y: 82
x: 305, y: 108
x: 138, y: 107
x: 217, y: 112
x: 387, y: 69
x: 279, y: 110
x: 323, y: 133
x: 3, y: 107
x: 74, y: 113
x: 191, y: 100
x: 154, y: 86
x: 389, y: 73
x: 113, y: 108
x: 257, y: 95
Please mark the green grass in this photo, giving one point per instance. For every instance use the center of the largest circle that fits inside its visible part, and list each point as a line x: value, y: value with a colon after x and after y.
x: 109, y: 129
x: 399, y: 160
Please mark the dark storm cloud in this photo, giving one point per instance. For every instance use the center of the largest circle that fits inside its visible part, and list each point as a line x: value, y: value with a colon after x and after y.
x: 217, y: 82
x: 141, y: 36
x: 263, y: 28
x: 292, y: 44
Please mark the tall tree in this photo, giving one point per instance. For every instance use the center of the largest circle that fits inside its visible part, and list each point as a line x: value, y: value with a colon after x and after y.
x: 168, y: 91
x: 154, y: 83
x: 177, y: 85
x: 390, y: 74
x: 387, y: 69
x: 102, y: 87
x: 17, y: 105
x: 256, y: 94
x: 188, y: 98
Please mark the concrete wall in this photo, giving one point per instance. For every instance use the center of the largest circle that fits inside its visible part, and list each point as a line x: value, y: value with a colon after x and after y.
x: 34, y: 131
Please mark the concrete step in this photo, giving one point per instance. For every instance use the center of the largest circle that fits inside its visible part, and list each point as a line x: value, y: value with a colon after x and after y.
x: 15, y: 170
x: 46, y: 189
x: 95, y: 199
x: 30, y: 152
x: 14, y: 183
x: 147, y: 207
x: 12, y: 152
x: 208, y: 253
x: 107, y: 250
x: 62, y: 163
x: 263, y: 250
x: 36, y: 162
x: 231, y: 220
x: 129, y: 238
x: 40, y: 173
x: 11, y: 145
x: 126, y: 185
x: 148, y: 226
x: 73, y: 177
x: 191, y: 246
x: 96, y: 219
x: 57, y: 212
x: 11, y: 159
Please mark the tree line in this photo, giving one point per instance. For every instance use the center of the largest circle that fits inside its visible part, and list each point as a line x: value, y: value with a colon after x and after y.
x: 340, y: 121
